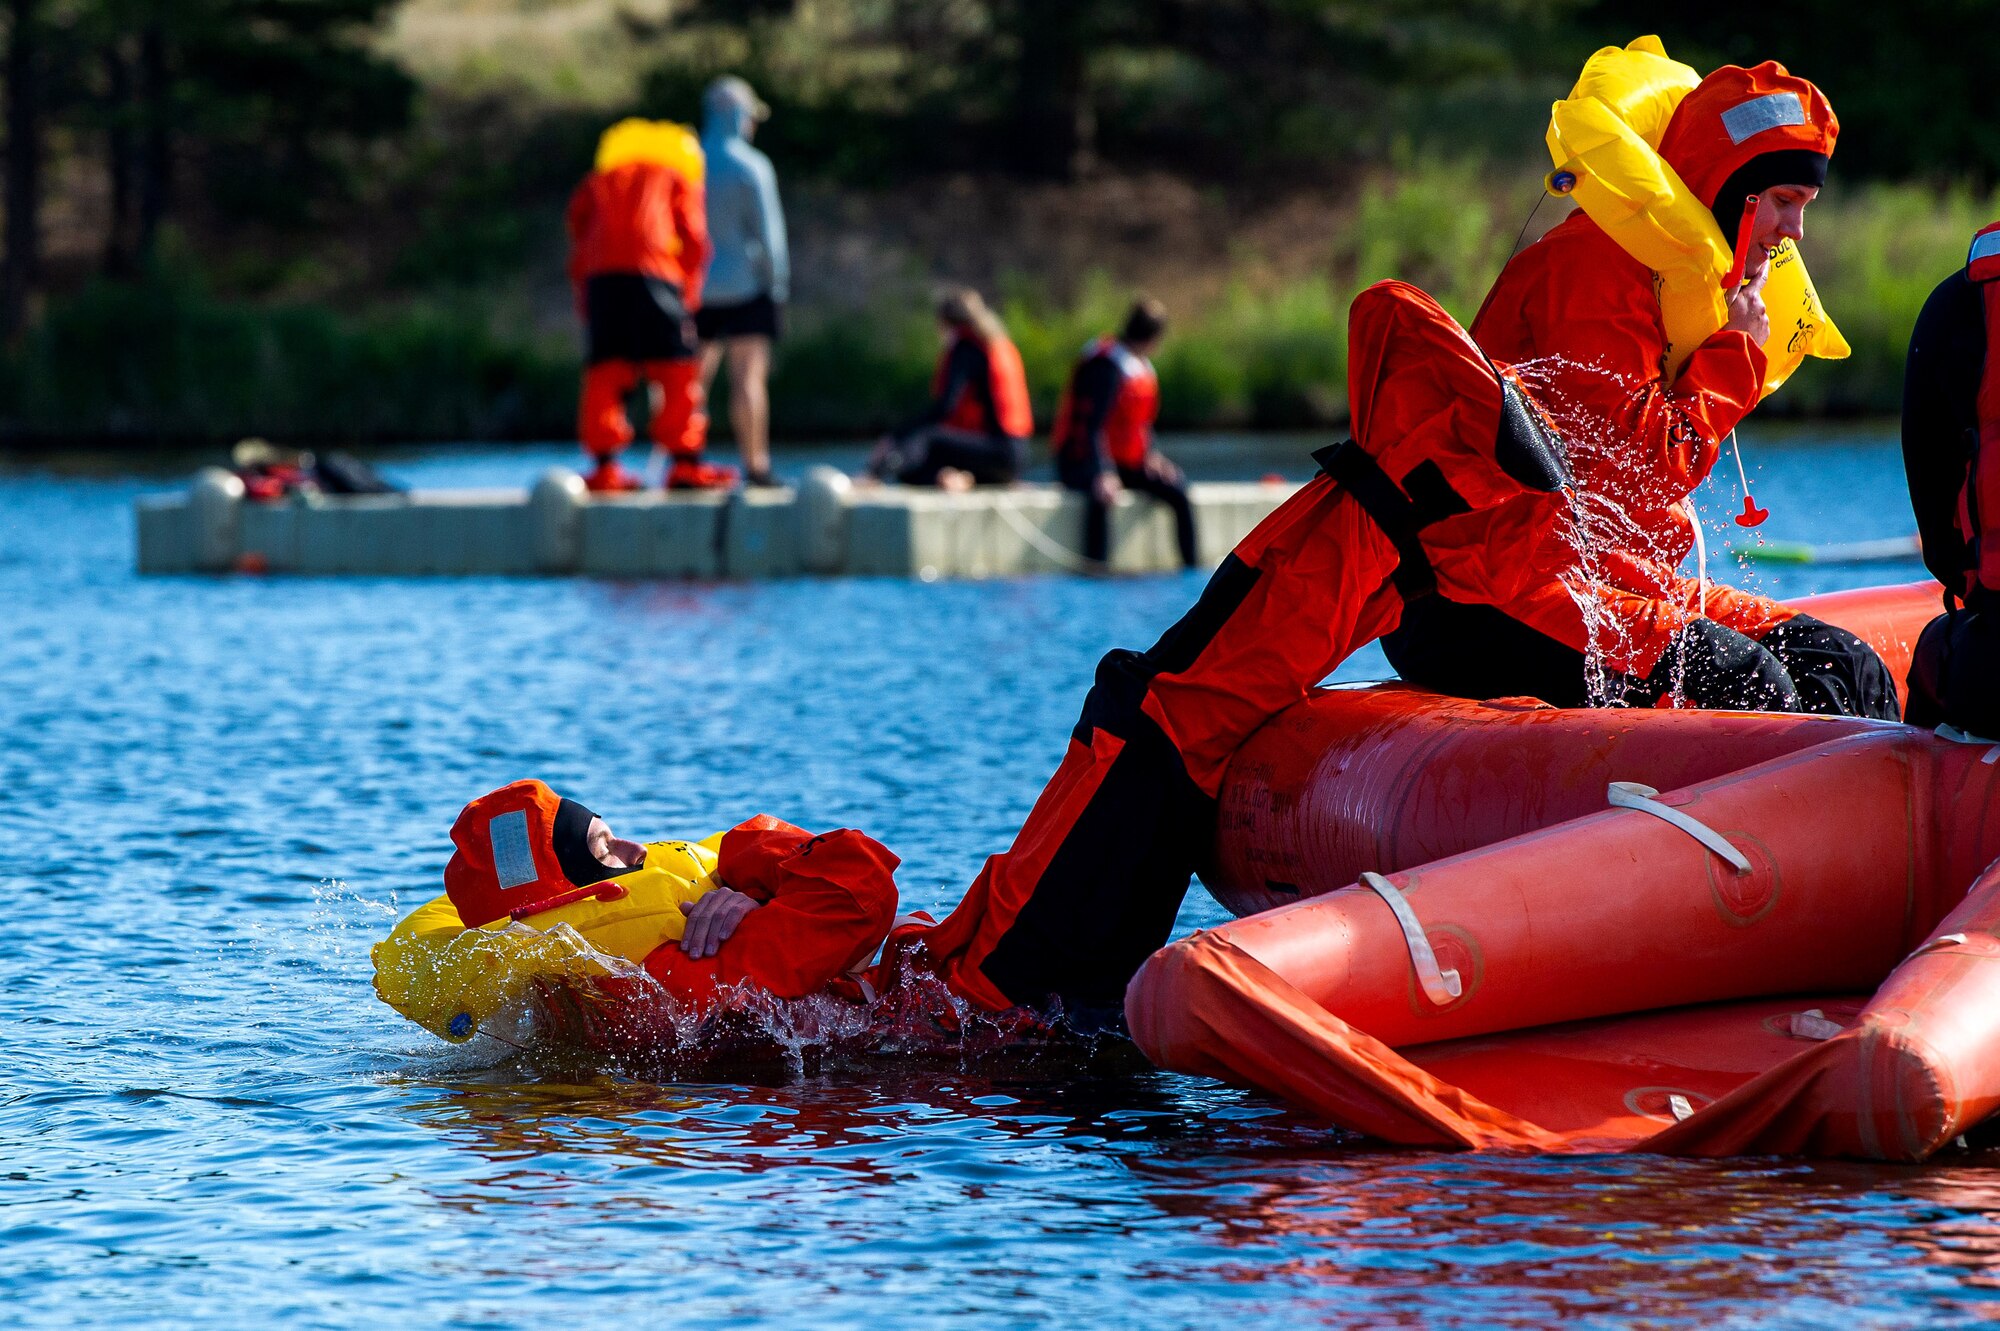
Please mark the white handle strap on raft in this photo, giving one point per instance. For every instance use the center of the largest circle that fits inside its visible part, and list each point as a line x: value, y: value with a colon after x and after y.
x: 1638, y: 798
x: 1957, y: 736
x: 1440, y: 986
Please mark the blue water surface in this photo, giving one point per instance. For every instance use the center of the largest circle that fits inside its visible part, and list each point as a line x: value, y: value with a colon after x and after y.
x: 220, y: 792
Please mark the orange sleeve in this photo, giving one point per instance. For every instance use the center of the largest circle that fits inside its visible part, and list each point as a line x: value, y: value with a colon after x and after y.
x: 1603, y: 319
x: 828, y: 901
x: 691, y: 223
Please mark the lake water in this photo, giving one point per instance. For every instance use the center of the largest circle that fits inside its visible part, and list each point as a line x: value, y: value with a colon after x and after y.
x: 222, y: 791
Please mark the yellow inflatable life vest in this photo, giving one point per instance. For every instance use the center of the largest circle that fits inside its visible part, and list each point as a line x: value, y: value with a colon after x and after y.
x: 450, y: 979
x: 1604, y: 139
x: 662, y: 141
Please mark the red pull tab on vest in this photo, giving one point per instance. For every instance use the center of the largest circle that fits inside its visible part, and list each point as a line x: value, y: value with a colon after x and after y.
x: 1751, y: 516
x: 1734, y: 277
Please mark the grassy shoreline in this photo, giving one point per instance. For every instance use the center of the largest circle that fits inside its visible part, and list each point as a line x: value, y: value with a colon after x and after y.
x: 167, y: 361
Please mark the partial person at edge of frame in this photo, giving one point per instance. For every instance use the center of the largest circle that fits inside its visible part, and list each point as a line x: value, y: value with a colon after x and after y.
x: 1103, y: 436
x: 749, y: 276
x: 976, y: 429
x: 1951, y: 451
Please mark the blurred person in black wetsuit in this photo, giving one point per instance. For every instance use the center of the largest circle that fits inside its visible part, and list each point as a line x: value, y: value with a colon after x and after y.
x: 1103, y: 439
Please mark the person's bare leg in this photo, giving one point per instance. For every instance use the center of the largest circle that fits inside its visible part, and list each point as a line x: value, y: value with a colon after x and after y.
x: 750, y: 401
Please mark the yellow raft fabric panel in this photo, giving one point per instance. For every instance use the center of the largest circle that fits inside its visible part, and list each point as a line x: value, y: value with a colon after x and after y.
x: 450, y: 979
x: 661, y: 141
x: 1606, y: 134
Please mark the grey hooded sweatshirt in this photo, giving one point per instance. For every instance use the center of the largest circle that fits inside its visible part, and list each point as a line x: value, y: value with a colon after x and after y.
x: 745, y: 220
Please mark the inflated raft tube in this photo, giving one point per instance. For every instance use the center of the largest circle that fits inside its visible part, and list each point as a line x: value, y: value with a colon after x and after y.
x: 1794, y: 956
x: 1446, y: 775
x: 1604, y: 139
x: 456, y: 981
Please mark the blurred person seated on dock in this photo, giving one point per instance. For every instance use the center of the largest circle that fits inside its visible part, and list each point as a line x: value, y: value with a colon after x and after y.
x: 638, y: 245
x: 976, y: 429
x: 1951, y: 451
x: 749, y: 275
x: 1609, y: 619
x: 1103, y: 437
x: 271, y: 473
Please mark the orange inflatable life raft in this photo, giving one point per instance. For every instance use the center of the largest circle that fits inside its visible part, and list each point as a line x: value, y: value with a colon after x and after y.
x: 1794, y: 949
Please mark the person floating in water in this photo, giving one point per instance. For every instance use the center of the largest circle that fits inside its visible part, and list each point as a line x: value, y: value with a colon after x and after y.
x: 749, y: 277
x: 1103, y: 438
x: 1951, y: 451
x: 976, y: 429
x: 764, y: 907
x: 638, y: 245
x: 1642, y: 439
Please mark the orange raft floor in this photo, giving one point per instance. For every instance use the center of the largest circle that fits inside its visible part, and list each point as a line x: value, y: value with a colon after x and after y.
x: 1621, y: 985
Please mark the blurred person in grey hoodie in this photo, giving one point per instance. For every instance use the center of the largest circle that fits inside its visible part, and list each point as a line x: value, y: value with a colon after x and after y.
x: 749, y: 276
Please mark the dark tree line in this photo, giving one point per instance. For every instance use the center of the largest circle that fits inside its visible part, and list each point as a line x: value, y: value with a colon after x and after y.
x: 254, y: 111
x: 1047, y: 87
x: 245, y: 106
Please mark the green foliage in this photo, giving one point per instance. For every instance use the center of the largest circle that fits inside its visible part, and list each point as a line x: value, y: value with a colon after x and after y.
x: 163, y: 358
x: 160, y: 359
x: 1876, y: 255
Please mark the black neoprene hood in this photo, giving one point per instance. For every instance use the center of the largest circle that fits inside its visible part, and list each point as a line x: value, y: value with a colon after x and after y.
x: 1793, y: 166
x: 570, y: 839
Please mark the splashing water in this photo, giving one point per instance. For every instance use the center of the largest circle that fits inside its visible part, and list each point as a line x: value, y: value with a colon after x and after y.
x: 1622, y: 538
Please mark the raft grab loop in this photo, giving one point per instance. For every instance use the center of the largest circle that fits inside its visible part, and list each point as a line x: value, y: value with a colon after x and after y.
x: 1640, y: 799
x: 1440, y: 986
x: 1956, y: 736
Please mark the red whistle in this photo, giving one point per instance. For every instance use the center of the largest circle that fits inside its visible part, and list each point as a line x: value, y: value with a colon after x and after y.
x: 1744, y: 231
x: 1751, y: 516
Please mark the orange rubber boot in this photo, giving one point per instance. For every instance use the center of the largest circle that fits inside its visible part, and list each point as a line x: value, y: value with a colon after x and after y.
x: 689, y: 473
x: 611, y: 477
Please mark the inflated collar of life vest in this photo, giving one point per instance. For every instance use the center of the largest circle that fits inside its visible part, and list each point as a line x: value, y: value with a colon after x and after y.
x: 1633, y: 114
x: 1451, y: 457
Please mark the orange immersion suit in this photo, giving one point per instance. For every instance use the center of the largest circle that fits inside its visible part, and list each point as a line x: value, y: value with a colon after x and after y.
x: 638, y: 248
x: 1581, y: 320
x: 1449, y: 464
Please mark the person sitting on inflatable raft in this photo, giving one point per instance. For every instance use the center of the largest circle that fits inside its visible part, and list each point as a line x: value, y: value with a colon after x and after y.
x: 1647, y: 362
x: 1450, y: 465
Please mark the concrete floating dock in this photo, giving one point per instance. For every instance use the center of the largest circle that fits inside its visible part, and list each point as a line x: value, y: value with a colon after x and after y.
x: 824, y: 526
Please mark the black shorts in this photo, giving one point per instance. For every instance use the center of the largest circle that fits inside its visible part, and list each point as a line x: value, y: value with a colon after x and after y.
x: 758, y: 317
x: 633, y: 317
